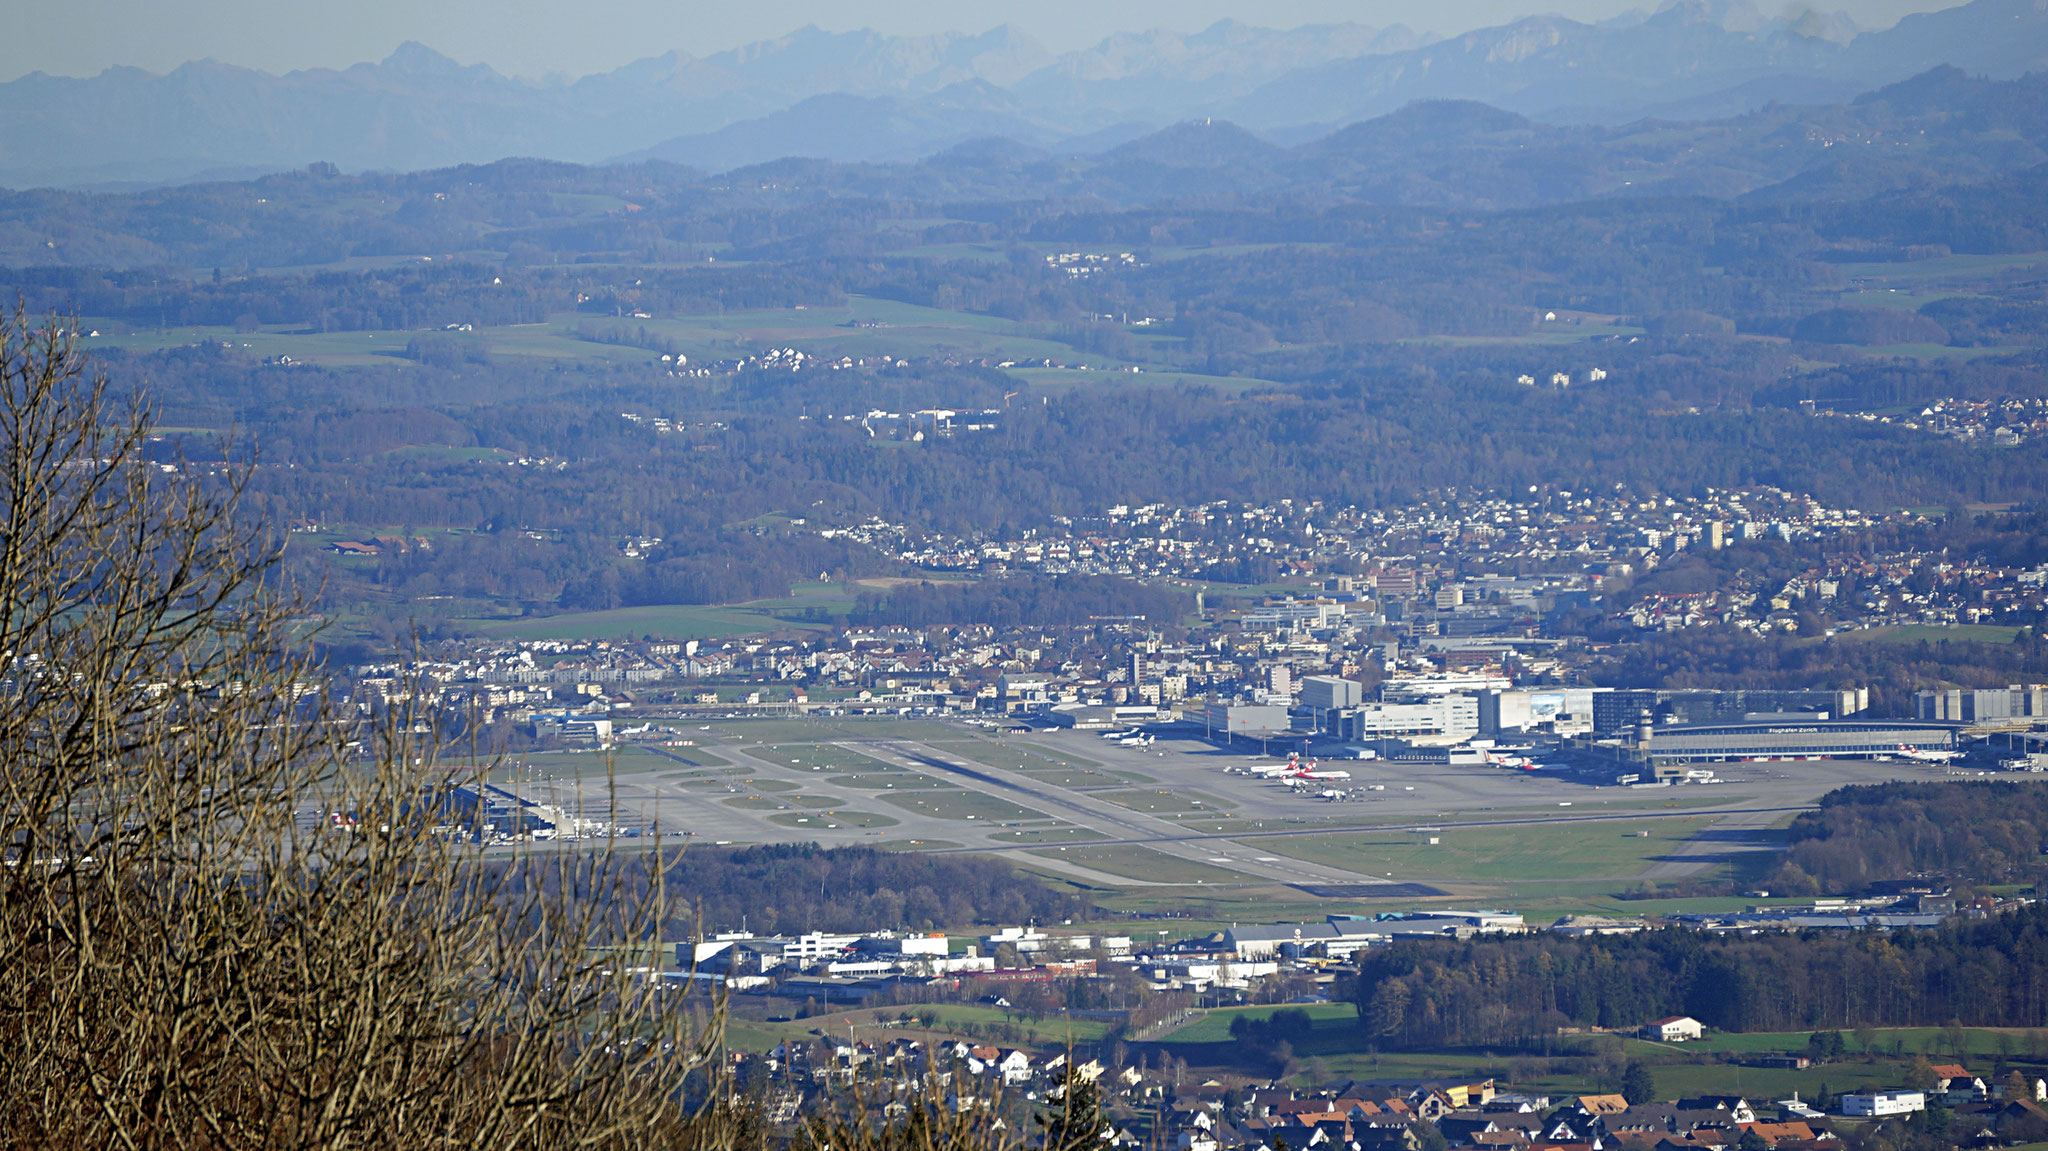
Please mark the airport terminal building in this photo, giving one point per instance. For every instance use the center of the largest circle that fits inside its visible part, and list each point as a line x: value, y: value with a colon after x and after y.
x: 1844, y: 739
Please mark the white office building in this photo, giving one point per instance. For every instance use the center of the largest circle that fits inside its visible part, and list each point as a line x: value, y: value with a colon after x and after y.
x: 1880, y: 1103
x: 1438, y: 719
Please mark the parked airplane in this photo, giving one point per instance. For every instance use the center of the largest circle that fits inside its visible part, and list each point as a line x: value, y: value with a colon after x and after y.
x: 1923, y: 756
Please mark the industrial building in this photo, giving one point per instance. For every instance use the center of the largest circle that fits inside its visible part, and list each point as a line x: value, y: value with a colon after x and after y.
x: 1619, y: 710
x: 1443, y: 717
x: 1842, y: 739
x: 1561, y: 710
x: 1258, y: 721
x: 1322, y: 694
x: 1336, y: 937
x: 2020, y: 701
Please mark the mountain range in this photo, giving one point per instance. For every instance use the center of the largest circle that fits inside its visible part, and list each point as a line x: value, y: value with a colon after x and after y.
x: 1940, y: 129
x: 862, y: 96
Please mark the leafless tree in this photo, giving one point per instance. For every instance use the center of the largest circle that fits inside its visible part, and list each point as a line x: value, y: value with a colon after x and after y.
x: 234, y: 913
x: 230, y: 915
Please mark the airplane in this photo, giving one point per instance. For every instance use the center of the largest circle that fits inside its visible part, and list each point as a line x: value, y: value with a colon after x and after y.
x: 1321, y: 775
x: 1293, y: 767
x: 1123, y: 734
x: 1142, y: 739
x: 1923, y: 756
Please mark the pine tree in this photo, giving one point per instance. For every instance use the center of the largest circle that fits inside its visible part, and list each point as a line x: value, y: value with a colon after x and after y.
x: 1639, y: 1084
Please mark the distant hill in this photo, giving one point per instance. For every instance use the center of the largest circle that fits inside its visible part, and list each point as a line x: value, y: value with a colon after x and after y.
x: 1935, y: 130
x: 869, y: 97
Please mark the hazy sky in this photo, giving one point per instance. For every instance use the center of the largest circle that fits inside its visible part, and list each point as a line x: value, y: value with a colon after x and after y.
x: 537, y: 37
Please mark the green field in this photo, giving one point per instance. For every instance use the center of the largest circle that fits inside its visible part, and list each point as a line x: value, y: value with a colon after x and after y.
x: 1342, y: 1050
x: 777, y: 802
x: 1140, y: 864
x: 819, y: 729
x: 694, y: 756
x: 1050, y: 1030
x: 674, y: 621
x: 1944, y: 267
x: 833, y: 820
x: 1604, y: 850
x: 1214, y: 1026
x: 961, y: 804
x: 1245, y: 902
x: 1157, y: 802
x: 898, y: 780
x: 1011, y: 756
x: 1981, y: 1044
x: 1061, y: 834
x: 1104, y: 371
x: 1087, y: 777
x: 805, y: 756
x: 770, y: 785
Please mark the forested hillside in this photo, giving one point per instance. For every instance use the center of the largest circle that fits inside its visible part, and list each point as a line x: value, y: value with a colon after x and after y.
x: 795, y: 888
x: 1507, y: 990
x: 1976, y: 833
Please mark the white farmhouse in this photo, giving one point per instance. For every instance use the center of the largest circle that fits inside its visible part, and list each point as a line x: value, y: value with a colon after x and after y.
x: 1676, y: 1029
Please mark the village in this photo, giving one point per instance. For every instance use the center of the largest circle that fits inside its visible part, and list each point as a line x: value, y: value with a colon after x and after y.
x: 1160, y: 1104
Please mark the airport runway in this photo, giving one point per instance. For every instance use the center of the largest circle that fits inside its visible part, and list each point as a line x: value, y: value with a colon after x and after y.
x: 1122, y: 825
x: 1439, y: 796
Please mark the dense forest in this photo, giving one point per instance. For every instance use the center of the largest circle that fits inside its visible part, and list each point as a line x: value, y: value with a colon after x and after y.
x: 795, y: 888
x: 1507, y: 991
x: 1974, y: 833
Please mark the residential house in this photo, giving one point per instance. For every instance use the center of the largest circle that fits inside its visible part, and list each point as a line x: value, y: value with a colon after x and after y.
x: 1780, y: 1133
x: 1462, y: 1130
x: 1736, y: 1106
x: 1959, y: 1085
x: 1675, y: 1029
x: 1653, y: 1121
x: 1592, y: 1105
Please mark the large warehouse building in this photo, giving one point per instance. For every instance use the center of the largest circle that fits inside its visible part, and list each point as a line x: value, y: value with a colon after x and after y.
x: 1845, y: 739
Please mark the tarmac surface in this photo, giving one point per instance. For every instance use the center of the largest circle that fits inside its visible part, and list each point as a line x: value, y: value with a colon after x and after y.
x: 760, y: 797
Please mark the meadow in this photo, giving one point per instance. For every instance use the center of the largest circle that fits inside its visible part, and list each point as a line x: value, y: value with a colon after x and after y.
x: 1523, y: 854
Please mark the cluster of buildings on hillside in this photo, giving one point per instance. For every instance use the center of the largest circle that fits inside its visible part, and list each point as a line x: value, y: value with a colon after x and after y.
x: 1491, y: 565
x: 1078, y: 264
x: 853, y: 967
x: 1161, y: 1106
x: 1444, y: 533
x: 2006, y: 422
x: 1432, y: 627
x: 1459, y: 584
